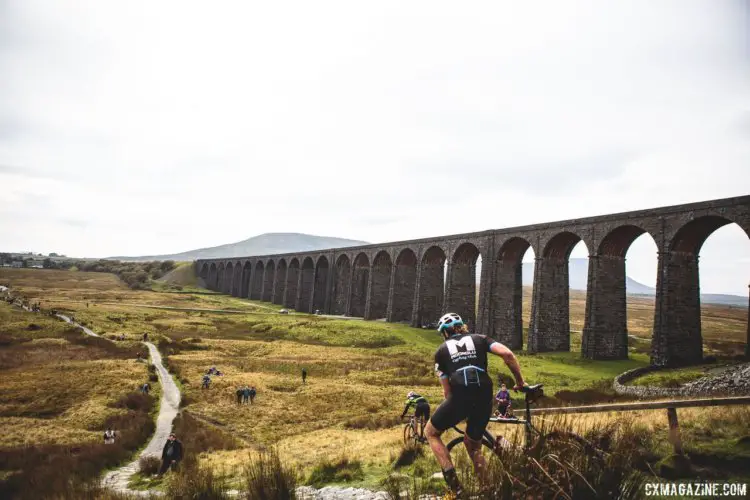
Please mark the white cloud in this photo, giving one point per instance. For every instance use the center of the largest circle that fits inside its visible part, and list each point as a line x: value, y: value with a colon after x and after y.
x: 142, y: 127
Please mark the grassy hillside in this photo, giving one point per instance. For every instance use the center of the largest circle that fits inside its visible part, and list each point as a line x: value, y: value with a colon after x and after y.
x: 359, y: 372
x: 59, y: 392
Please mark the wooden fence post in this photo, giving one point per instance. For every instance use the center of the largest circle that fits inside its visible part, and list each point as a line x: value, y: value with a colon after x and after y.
x: 674, y: 430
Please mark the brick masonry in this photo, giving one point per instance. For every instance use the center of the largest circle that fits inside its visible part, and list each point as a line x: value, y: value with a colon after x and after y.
x: 342, y: 285
x: 418, y: 280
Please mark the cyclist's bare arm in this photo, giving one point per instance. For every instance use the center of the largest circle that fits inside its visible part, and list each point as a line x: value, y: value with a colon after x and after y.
x: 510, y: 360
x: 446, y: 387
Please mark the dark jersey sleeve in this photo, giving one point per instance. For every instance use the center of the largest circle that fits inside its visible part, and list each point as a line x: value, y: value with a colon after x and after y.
x: 488, y: 341
x: 440, y: 368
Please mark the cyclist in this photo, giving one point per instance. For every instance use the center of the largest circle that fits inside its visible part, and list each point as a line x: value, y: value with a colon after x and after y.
x: 206, y: 381
x: 461, y: 365
x: 421, y: 411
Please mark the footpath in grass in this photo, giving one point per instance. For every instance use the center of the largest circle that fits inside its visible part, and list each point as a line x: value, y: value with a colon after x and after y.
x: 359, y: 374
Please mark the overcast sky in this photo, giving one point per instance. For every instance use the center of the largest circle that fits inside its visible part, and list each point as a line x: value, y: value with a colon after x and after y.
x: 132, y: 128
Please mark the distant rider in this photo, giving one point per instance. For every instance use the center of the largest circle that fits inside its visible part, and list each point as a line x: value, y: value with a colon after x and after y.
x: 421, y: 410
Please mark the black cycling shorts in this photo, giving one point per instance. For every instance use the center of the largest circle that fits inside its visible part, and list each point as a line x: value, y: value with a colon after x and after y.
x: 473, y: 404
x: 422, y: 410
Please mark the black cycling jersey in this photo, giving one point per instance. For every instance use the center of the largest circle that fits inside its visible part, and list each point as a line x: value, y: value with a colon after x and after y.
x: 462, y: 359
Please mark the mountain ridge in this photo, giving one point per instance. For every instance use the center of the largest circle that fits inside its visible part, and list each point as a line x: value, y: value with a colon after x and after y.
x: 263, y: 244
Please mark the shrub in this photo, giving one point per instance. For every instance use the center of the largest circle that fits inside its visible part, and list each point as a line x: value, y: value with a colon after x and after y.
x: 149, y: 465
x: 267, y: 478
x: 373, y: 422
x: 342, y: 470
x: 191, y: 480
x: 135, y: 401
x: 198, y: 437
x: 408, y: 454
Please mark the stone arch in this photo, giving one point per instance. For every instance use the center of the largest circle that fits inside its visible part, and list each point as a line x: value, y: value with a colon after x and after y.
x: 341, y: 284
x: 549, y: 328
x: 321, y: 281
x: 203, y: 273
x: 236, y: 279
x: 431, y: 286
x: 212, y: 277
x: 292, y: 279
x: 256, y: 292
x: 462, y: 283
x: 404, y: 285
x: 306, y: 285
x: 678, y: 336
x: 691, y: 236
x: 605, y: 330
x: 360, y: 280
x: 617, y: 241
x: 220, y: 278
x: 507, y: 293
x: 380, y: 285
x: 279, y: 282
x: 247, y: 272
x: 228, y: 276
x: 268, y: 278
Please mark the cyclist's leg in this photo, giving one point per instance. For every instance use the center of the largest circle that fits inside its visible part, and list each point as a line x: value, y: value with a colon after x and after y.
x: 449, y: 413
x: 476, y: 423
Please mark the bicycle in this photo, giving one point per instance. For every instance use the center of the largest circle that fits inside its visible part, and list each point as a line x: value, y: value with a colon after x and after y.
x: 534, y: 449
x: 411, y: 432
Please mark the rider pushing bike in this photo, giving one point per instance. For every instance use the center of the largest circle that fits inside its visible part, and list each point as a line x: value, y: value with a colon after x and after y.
x: 461, y: 365
x: 421, y: 410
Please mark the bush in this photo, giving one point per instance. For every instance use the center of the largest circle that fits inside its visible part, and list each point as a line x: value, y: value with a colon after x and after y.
x: 135, y: 401
x: 191, y: 480
x: 341, y: 471
x: 199, y: 437
x: 267, y: 478
x: 149, y: 465
x: 408, y: 454
x: 373, y: 422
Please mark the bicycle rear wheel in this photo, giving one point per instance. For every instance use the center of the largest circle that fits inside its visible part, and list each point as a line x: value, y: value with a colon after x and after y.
x: 566, y: 444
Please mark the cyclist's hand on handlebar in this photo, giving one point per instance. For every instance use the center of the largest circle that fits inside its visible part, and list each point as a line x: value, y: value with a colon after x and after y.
x: 522, y: 388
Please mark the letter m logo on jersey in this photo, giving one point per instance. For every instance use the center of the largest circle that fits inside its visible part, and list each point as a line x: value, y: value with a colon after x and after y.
x: 466, y: 345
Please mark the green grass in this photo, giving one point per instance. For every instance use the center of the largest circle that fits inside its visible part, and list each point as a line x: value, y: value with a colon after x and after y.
x: 359, y: 371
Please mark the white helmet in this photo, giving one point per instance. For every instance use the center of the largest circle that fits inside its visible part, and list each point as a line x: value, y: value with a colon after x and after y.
x: 411, y: 394
x: 449, y: 320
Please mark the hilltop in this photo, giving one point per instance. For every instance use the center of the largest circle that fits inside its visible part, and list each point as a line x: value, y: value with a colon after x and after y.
x: 264, y: 244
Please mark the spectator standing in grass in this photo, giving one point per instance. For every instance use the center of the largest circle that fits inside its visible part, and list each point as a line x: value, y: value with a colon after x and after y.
x: 145, y: 337
x: 171, y: 454
x: 239, y: 395
x: 145, y: 388
x: 245, y: 394
x: 109, y: 436
x: 252, y: 394
x: 304, y: 375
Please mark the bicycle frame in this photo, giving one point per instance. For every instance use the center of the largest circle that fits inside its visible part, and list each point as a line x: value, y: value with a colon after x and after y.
x: 529, y: 429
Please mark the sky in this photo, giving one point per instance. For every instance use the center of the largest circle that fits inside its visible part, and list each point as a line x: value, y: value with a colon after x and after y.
x: 140, y: 128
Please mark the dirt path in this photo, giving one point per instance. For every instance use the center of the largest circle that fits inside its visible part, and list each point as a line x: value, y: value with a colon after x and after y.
x: 170, y: 404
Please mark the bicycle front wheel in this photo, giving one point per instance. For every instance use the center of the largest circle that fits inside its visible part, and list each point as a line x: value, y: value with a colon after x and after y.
x: 409, y: 435
x: 566, y: 444
x: 460, y: 456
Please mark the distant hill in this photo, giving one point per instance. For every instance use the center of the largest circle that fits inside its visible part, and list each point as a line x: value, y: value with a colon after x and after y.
x: 578, y: 274
x: 264, y: 244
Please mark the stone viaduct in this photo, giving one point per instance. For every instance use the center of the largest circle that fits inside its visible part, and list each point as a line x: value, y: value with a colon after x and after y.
x: 416, y: 281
